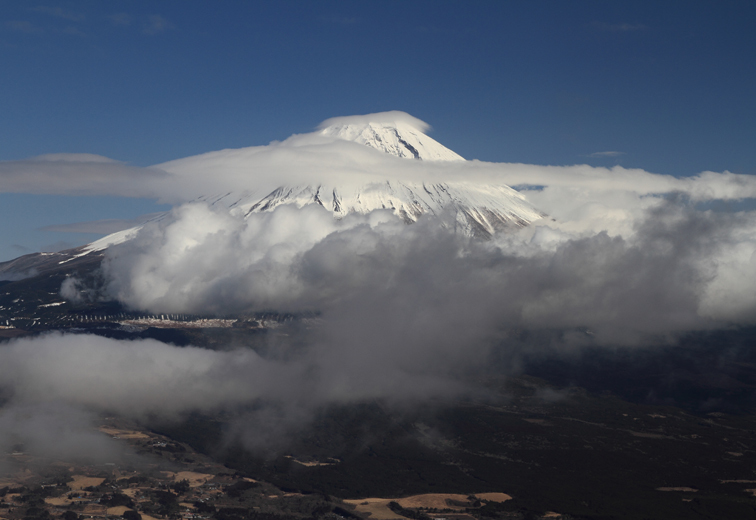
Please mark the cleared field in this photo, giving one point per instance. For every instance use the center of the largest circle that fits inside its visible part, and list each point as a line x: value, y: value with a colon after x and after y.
x: 123, y: 434
x: 58, y: 501
x: 118, y: 510
x: 94, y: 510
x: 132, y: 492
x: 194, y: 479
x: 82, y: 481
x: 379, y: 510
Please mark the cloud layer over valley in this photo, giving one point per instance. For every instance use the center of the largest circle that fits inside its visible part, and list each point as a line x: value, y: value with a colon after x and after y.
x: 624, y: 258
x: 404, y: 312
x: 679, y: 269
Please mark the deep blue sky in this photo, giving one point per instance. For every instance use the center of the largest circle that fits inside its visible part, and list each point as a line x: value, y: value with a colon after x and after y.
x: 670, y: 85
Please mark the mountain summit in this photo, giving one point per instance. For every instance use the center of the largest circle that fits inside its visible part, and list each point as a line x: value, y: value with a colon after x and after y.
x: 396, y: 133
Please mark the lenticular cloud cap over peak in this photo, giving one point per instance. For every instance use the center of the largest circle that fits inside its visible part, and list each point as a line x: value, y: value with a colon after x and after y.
x: 73, y: 157
x: 392, y: 117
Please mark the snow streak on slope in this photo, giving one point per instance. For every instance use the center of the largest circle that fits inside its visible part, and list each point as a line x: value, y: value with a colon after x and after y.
x: 476, y: 210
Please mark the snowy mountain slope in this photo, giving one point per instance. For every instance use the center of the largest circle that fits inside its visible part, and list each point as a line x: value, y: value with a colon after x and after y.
x: 478, y: 209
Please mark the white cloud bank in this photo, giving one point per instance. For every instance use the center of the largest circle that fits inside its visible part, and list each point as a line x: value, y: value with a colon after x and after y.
x: 313, y: 159
x: 133, y: 378
x: 664, y: 268
x: 405, y: 310
x: 624, y: 252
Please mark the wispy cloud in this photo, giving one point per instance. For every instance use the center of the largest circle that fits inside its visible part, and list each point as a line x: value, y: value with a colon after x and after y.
x: 59, y: 12
x: 60, y: 245
x: 23, y: 26
x: 619, y: 27
x: 21, y: 249
x: 156, y: 24
x: 77, y: 174
x: 104, y: 227
x: 73, y: 31
x: 605, y: 154
x: 122, y: 19
x: 339, y: 19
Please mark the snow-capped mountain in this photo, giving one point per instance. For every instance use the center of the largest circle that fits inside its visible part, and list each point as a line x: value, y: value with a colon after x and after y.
x: 478, y: 210
x: 475, y: 209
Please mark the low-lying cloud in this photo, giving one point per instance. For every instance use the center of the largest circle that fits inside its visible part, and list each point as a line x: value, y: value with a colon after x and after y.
x: 135, y: 378
x: 405, y: 312
x: 79, y: 174
x: 53, y: 429
x: 625, y: 257
x: 665, y: 268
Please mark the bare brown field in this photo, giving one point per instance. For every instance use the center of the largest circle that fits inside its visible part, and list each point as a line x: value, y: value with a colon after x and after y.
x: 58, y: 501
x: 379, y: 510
x: 132, y: 492
x: 438, y: 500
x: 82, y: 481
x: 94, y: 510
x: 194, y: 479
x: 118, y: 510
x: 123, y: 434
